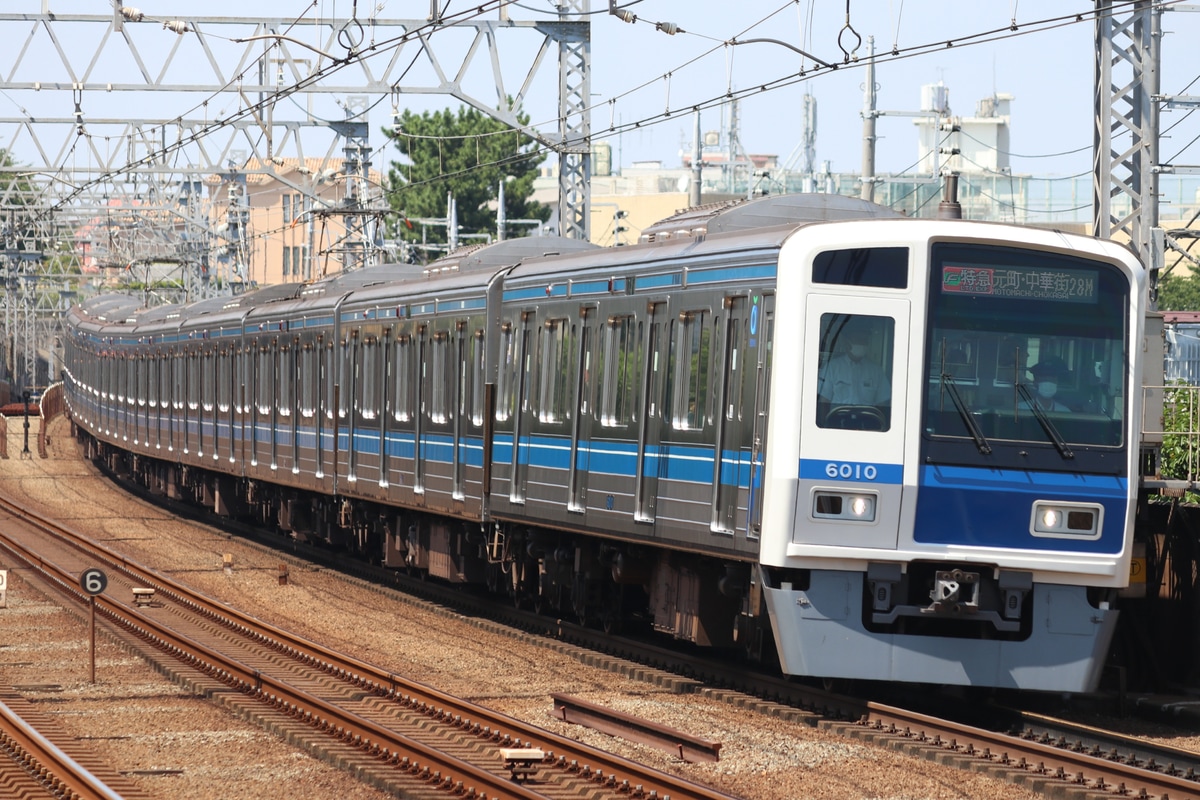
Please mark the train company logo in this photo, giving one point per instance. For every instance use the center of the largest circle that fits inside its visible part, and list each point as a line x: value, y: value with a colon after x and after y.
x: 968, y: 280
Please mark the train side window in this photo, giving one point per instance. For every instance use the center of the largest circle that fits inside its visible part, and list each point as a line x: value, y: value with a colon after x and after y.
x: 733, y: 380
x: 477, y: 379
x: 225, y: 367
x: 462, y: 375
x: 152, y: 380
x: 193, y: 381
x: 122, y: 377
x: 557, y: 357
x: 463, y: 371
x: 241, y: 368
x: 308, y: 382
x: 287, y: 379
x: 506, y: 373
x: 692, y: 355
x: 620, y: 366
x: 403, y: 379
x: 325, y: 377
x: 208, y: 380
x: 266, y: 371
x: 126, y: 388
x: 664, y: 373
x: 178, y: 379
x: 142, y: 373
x: 883, y: 267
x: 369, y: 403
x: 345, y: 378
x: 437, y: 377
x: 165, y: 371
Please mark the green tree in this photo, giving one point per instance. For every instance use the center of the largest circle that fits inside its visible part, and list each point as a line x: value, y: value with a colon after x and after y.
x: 465, y: 154
x: 1178, y: 457
x: 1179, y: 292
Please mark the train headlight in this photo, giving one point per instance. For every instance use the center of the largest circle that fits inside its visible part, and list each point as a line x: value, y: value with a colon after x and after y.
x: 844, y: 505
x: 1067, y: 520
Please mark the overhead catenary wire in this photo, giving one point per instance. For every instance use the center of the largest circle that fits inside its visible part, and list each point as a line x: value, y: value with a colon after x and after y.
x: 783, y: 81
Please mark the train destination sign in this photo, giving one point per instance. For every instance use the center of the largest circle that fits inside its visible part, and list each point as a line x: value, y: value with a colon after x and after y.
x: 1022, y: 283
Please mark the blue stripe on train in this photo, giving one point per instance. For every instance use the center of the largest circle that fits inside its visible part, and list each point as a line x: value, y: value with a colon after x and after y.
x: 993, y: 507
x: 666, y: 461
x: 675, y: 462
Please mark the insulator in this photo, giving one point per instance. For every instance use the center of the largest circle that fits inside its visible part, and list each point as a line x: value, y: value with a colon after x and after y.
x: 669, y: 28
x: 176, y: 26
x: 625, y: 15
x: 132, y: 14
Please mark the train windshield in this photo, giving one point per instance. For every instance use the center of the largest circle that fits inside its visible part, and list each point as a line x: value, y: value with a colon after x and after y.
x: 1025, y: 346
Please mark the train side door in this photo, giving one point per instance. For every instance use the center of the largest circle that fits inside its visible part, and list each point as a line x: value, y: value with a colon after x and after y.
x: 294, y: 363
x: 387, y: 405
x: 456, y: 387
x: 523, y: 412
x: 419, y: 424
x: 760, y: 343
x: 275, y: 360
x: 853, y: 405
x: 654, y: 377
x: 264, y: 401
x: 324, y: 404
x: 727, y: 459
x: 192, y: 391
x: 581, y: 423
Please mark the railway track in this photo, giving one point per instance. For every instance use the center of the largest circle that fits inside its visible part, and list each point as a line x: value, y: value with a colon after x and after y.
x: 1072, y: 765
x: 35, y: 764
x: 1040, y: 759
x: 396, y: 733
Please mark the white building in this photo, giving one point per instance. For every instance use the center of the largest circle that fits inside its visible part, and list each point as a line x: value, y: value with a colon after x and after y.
x: 966, y: 145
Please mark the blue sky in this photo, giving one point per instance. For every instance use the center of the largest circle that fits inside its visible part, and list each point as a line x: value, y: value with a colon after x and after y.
x: 1048, y: 71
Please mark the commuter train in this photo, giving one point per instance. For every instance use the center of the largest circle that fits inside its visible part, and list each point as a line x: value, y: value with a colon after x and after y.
x: 868, y: 446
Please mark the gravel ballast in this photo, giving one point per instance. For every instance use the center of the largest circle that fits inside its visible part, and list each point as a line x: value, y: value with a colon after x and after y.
x: 177, y: 745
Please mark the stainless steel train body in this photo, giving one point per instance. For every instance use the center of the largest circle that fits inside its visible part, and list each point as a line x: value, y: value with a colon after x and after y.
x: 798, y: 421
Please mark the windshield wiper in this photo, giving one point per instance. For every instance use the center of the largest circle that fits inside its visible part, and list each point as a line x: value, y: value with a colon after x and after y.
x: 1059, y: 442
x: 965, y: 412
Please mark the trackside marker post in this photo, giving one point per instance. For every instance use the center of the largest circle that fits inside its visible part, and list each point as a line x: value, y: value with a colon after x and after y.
x: 94, y: 582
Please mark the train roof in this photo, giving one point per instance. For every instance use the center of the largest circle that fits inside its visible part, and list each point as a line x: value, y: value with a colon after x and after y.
x: 764, y: 212
x: 343, y: 282
x: 156, y: 314
x: 110, y: 308
x: 495, y: 256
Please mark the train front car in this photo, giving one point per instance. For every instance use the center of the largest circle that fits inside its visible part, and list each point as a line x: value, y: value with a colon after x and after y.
x: 951, y: 477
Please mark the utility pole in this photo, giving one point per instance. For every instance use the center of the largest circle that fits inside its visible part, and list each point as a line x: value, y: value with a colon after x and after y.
x: 869, y: 116
x: 1128, y: 37
x: 500, y: 213
x: 574, y: 36
x: 697, y: 166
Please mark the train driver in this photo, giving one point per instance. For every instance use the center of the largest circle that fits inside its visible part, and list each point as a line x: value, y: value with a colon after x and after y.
x: 1047, y: 374
x: 850, y: 378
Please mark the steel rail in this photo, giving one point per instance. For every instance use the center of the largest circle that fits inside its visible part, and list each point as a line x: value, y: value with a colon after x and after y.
x: 64, y: 774
x: 643, y: 731
x: 1081, y: 769
x: 560, y: 751
x: 452, y: 774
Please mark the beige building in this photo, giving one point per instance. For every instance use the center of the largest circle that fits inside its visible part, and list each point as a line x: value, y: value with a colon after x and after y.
x: 306, y: 221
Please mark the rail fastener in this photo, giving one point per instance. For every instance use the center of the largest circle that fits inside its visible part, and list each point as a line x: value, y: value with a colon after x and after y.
x: 143, y: 596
